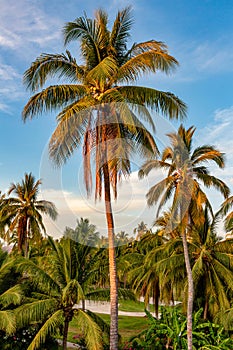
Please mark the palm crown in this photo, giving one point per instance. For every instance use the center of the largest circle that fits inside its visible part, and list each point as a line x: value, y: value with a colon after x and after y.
x: 107, y: 65
x: 24, y: 212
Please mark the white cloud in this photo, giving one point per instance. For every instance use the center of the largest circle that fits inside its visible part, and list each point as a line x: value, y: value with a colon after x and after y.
x: 24, y: 22
x: 129, y: 209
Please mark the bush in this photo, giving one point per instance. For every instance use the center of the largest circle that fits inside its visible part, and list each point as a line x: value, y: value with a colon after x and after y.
x: 169, y: 332
x: 22, y: 338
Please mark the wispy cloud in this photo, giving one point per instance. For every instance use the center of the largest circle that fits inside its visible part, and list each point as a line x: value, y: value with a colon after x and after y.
x: 29, y: 24
x: 219, y: 134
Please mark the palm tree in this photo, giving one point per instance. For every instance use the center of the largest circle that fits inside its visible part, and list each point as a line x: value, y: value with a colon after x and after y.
x: 212, y: 272
x: 58, y: 288
x: 228, y: 216
x: 185, y: 173
x: 99, y: 110
x: 140, y: 230
x: 84, y: 233
x: 25, y: 212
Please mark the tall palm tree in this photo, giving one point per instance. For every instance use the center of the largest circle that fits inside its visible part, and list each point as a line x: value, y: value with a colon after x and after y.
x: 58, y: 289
x: 24, y: 212
x: 186, y: 172
x: 101, y: 108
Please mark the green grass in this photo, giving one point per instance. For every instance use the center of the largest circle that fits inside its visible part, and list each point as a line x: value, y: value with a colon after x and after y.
x: 133, y: 306
x: 128, y: 326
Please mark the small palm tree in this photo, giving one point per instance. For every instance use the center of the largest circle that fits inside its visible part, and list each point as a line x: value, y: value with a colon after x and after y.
x: 59, y: 287
x: 24, y: 212
x: 102, y: 108
x: 186, y: 170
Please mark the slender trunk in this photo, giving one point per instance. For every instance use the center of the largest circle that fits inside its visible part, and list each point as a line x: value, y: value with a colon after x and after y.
x: 112, y: 263
x: 83, y: 304
x: 205, y: 309
x: 156, y: 294
x: 26, y: 238
x: 190, y: 289
x: 65, y: 334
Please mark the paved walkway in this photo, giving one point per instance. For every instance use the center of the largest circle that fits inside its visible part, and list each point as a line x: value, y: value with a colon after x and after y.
x: 103, y: 307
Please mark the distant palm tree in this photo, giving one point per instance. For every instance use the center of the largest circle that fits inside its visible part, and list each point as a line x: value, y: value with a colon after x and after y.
x: 140, y: 230
x: 101, y: 108
x: 185, y: 172
x: 59, y: 287
x: 84, y: 233
x: 24, y: 212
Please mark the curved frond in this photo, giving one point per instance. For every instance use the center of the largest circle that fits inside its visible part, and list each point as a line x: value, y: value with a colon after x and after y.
x: 7, y: 321
x: 49, y: 327
x: 53, y: 98
x: 160, y: 101
x: 35, y: 311
x: 50, y: 65
x: 91, y: 330
x: 120, y: 31
x: 12, y: 295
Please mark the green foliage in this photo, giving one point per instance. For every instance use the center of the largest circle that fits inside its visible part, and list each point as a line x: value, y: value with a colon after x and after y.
x: 21, y: 339
x: 169, y: 332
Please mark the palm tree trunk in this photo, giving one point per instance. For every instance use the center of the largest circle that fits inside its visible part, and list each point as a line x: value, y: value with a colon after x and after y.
x: 205, y: 309
x: 156, y: 295
x: 112, y: 263
x: 190, y: 290
x: 65, y: 334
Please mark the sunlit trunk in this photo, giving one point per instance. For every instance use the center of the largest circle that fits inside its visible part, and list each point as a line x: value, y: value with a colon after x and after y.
x: 112, y: 263
x: 190, y: 289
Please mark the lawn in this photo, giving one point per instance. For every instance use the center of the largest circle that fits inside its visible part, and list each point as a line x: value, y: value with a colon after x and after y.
x: 133, y: 306
x: 128, y: 326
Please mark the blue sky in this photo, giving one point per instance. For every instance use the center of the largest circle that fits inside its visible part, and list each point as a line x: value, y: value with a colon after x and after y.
x: 199, y: 34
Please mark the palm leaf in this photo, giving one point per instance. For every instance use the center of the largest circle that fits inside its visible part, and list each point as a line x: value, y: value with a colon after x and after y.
x: 50, y: 65
x: 48, y: 328
x: 7, y: 321
x: 91, y: 330
x: 53, y: 98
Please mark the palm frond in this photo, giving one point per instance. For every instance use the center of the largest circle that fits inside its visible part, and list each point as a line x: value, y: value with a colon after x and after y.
x: 162, y: 102
x: 89, y: 33
x: 7, y: 321
x: 52, y: 98
x: 12, y: 295
x: 120, y: 31
x: 50, y: 65
x: 91, y: 330
x: 35, y: 311
x: 49, y: 327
